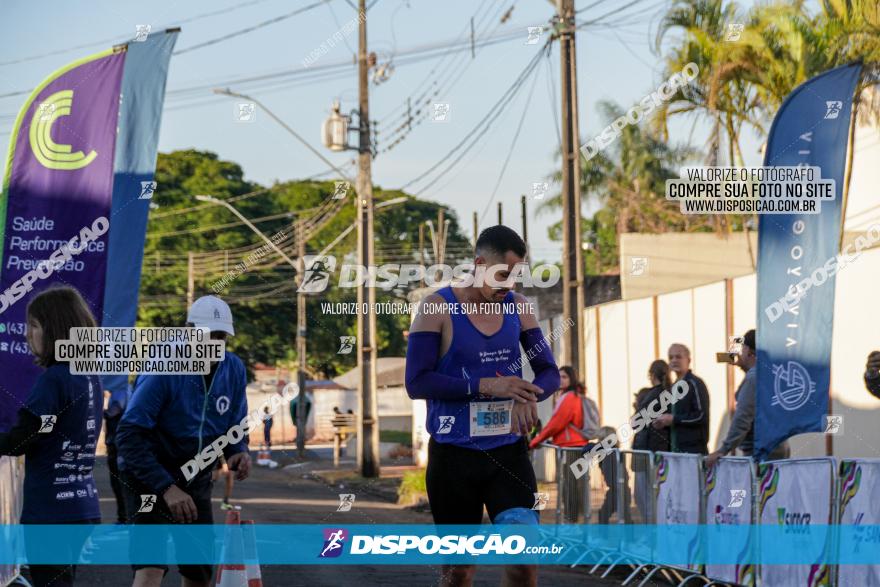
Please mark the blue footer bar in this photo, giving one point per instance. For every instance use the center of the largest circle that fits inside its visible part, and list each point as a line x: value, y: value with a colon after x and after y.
x: 298, y: 544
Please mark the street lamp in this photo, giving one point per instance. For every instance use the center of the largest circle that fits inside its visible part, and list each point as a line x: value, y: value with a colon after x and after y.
x: 296, y: 135
x: 219, y: 202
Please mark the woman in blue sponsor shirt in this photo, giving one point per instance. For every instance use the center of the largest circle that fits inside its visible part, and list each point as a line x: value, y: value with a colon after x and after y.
x: 57, y: 430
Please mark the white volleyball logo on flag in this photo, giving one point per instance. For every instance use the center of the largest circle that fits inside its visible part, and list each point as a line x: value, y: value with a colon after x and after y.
x: 792, y: 386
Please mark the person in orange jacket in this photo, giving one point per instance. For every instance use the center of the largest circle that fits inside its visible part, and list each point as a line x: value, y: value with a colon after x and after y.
x: 575, y: 419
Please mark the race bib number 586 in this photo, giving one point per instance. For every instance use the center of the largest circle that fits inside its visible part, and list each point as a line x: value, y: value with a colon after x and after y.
x: 490, y: 418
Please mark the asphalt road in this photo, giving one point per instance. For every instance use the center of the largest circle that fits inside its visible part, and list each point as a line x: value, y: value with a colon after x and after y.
x: 296, y: 496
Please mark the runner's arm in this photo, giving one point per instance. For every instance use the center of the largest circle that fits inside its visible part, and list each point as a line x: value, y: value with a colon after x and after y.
x: 422, y: 352
x: 25, y: 430
x: 135, y: 440
x: 537, y: 349
x: 41, y: 401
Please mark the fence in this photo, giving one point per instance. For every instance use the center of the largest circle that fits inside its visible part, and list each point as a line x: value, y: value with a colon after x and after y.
x: 637, y: 488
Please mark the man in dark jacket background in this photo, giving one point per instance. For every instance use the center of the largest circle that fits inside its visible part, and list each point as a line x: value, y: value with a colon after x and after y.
x: 872, y: 373
x: 689, y: 421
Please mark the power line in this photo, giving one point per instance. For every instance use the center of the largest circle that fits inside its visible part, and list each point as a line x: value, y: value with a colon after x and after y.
x: 462, y: 37
x: 487, y: 120
x: 512, y: 145
x: 250, y: 29
x: 119, y: 40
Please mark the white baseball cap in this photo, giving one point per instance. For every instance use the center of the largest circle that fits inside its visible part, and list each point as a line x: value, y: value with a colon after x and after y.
x: 212, y: 313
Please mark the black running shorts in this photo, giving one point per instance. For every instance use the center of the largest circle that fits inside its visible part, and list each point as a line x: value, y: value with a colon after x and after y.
x: 143, y: 547
x: 461, y: 481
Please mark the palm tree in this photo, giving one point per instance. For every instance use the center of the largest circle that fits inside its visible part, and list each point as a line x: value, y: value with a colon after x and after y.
x: 628, y: 180
x: 789, y: 46
x: 718, y: 92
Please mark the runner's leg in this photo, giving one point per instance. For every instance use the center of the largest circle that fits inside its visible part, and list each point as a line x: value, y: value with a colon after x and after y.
x: 452, y: 481
x: 512, y: 487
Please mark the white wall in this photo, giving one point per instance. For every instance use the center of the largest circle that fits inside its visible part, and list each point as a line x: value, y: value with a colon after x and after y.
x: 696, y: 318
x: 393, y: 403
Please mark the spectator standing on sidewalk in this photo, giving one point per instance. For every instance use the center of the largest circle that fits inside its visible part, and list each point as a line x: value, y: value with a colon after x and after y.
x: 872, y: 373
x: 689, y: 420
x: 56, y: 431
x: 650, y: 438
x: 575, y: 421
x: 741, y: 433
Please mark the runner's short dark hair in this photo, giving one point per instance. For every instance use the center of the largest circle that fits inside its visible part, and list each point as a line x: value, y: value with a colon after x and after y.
x: 499, y: 239
x: 58, y: 309
x: 749, y: 339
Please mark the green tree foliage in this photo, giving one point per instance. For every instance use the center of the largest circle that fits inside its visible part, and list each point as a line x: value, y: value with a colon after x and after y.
x: 263, y: 298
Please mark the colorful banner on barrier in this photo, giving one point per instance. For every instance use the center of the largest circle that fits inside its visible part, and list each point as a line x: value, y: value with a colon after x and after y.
x: 796, y: 497
x: 729, y: 503
x: 859, y: 507
x: 81, y: 164
x: 794, y: 351
x: 678, y: 500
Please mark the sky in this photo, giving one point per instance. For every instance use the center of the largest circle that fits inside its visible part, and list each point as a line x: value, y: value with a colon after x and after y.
x: 616, y: 61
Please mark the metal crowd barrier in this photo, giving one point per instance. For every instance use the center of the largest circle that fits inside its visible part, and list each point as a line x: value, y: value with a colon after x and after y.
x: 713, y: 485
x: 624, y: 488
x: 834, y: 493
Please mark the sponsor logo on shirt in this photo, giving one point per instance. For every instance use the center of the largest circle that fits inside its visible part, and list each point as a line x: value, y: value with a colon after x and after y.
x: 446, y: 423
x: 47, y: 423
x: 61, y: 495
x: 81, y: 493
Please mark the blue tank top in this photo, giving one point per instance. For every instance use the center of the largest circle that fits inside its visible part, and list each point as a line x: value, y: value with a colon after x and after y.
x: 473, y: 355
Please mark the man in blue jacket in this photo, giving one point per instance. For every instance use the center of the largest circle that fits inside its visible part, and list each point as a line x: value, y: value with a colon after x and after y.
x: 169, y: 439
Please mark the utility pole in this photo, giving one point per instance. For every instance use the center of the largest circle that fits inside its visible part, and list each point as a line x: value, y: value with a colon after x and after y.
x: 301, y: 421
x: 525, y: 230
x: 572, y: 261
x: 190, y: 281
x: 368, y: 421
x: 500, y: 220
x: 476, y: 229
x: 422, y: 252
x: 441, y: 237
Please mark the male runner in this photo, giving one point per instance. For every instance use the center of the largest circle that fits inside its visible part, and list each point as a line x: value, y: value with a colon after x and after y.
x: 467, y: 365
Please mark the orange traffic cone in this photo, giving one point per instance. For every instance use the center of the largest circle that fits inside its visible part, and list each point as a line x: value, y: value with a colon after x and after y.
x: 232, y: 574
x: 251, y: 560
